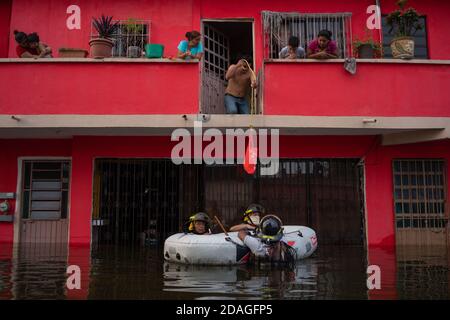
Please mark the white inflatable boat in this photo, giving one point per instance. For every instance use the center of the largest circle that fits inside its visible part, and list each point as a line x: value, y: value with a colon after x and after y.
x: 214, y: 249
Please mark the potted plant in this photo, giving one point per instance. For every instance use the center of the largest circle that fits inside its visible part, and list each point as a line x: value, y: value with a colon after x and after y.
x: 134, y: 32
x: 101, y: 47
x: 72, y: 53
x: 404, y: 23
x: 367, y: 48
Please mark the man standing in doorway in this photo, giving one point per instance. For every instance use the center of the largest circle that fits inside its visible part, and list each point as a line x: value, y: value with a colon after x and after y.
x: 240, y: 78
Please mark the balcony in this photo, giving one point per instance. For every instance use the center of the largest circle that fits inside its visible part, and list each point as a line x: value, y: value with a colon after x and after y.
x: 380, y: 88
x: 405, y: 101
x: 90, y: 86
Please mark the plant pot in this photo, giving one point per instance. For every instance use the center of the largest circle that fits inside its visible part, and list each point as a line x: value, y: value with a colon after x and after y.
x: 134, y: 52
x: 403, y: 48
x: 365, y: 51
x: 72, y: 53
x: 101, y: 48
x: 154, y: 50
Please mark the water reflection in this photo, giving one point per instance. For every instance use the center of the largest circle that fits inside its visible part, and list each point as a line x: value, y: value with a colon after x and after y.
x: 38, y: 272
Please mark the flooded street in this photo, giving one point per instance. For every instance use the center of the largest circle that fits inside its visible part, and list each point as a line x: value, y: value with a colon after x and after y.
x: 140, y: 273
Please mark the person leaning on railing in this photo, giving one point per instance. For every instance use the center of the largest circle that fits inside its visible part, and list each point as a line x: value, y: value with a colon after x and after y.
x: 292, y: 50
x: 191, y: 48
x: 323, y: 47
x: 29, y: 46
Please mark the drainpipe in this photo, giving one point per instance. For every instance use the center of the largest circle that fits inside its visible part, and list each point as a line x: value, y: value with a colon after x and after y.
x: 380, y: 33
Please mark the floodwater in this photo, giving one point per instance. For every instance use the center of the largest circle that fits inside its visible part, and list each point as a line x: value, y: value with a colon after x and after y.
x: 333, y: 272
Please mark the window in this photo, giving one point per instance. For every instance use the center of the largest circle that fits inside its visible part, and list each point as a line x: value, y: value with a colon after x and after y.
x: 279, y: 26
x: 130, y: 33
x: 419, y: 193
x: 420, y: 39
x: 45, y: 189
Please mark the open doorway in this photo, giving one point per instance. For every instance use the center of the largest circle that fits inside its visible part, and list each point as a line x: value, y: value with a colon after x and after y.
x: 225, y: 42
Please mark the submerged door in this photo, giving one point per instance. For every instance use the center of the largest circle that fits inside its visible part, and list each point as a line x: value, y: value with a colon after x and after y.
x: 215, y: 65
x: 45, y: 193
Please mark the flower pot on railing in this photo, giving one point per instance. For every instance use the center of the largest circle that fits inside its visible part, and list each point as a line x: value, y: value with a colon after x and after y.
x: 403, y: 48
x: 72, y: 53
x: 366, y: 51
x: 101, y: 48
x: 404, y: 23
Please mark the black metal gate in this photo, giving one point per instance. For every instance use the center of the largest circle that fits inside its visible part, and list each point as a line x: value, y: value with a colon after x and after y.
x: 138, y: 199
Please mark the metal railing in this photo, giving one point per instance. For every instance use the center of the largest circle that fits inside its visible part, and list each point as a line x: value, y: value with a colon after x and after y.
x: 279, y: 26
x: 131, y: 33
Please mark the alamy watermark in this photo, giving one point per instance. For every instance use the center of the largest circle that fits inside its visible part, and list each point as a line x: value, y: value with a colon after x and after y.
x: 228, y: 148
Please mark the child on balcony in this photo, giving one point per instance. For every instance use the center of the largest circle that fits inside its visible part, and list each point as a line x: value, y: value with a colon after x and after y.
x: 191, y: 48
x: 323, y: 47
x: 292, y: 50
x: 29, y: 46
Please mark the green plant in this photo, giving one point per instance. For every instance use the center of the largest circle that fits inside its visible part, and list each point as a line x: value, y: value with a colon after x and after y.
x: 367, y: 40
x: 405, y: 22
x: 105, y: 27
x: 133, y: 27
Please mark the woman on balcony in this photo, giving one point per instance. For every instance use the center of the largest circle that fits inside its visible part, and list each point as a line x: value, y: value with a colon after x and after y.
x: 191, y: 48
x: 323, y: 47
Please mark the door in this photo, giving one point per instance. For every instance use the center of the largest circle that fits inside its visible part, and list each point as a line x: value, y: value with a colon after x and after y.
x: 45, y: 193
x: 215, y: 65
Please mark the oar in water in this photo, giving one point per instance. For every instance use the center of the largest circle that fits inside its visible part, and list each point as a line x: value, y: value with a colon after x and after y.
x: 227, y: 238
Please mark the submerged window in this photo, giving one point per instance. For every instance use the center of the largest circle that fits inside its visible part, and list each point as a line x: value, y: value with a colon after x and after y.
x: 131, y: 33
x: 279, y: 26
x: 45, y: 190
x: 419, y: 193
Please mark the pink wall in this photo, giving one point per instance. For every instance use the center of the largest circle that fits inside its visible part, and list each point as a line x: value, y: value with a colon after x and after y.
x: 11, y: 151
x: 378, y: 163
x: 5, y: 22
x: 99, y: 88
x: 317, y: 89
x: 171, y: 19
x: 436, y: 12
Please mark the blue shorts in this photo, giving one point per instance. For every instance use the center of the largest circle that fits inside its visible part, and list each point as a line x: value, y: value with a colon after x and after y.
x: 236, y: 105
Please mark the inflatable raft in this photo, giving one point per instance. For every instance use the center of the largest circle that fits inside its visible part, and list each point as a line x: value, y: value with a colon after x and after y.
x: 214, y: 249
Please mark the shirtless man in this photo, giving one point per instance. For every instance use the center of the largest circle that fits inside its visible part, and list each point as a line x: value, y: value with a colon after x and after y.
x: 240, y: 78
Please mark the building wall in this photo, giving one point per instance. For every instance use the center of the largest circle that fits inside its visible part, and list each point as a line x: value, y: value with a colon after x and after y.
x: 12, y: 150
x: 5, y: 22
x: 83, y: 150
x: 171, y: 19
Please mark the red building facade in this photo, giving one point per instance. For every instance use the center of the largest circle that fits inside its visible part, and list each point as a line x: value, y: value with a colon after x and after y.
x: 391, y: 117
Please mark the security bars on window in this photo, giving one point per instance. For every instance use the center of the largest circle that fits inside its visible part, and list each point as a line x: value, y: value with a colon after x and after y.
x: 131, y: 33
x: 419, y: 193
x: 279, y: 26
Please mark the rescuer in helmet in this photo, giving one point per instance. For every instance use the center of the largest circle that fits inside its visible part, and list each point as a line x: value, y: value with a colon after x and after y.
x: 251, y: 218
x: 267, y: 242
x: 199, y: 223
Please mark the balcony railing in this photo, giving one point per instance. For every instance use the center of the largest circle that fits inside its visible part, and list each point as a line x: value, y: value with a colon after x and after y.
x: 89, y: 86
x: 383, y: 88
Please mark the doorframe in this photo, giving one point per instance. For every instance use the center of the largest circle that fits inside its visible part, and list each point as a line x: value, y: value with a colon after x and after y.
x: 202, y: 23
x: 18, y: 206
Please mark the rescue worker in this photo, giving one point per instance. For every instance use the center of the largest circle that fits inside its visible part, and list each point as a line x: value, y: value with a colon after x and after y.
x: 199, y: 223
x: 267, y: 243
x: 251, y: 218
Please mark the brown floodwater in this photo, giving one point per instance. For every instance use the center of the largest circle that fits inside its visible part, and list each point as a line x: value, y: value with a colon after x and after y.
x: 333, y: 272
